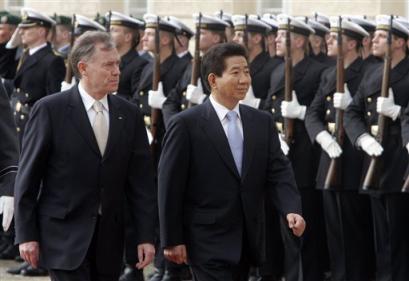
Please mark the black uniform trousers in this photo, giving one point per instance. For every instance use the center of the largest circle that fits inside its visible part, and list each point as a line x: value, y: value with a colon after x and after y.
x: 87, y: 271
x: 391, y: 216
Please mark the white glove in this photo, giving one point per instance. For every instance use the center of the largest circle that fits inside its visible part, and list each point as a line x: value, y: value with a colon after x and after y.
x: 342, y: 100
x: 387, y: 106
x: 369, y: 145
x: 195, y: 94
x: 329, y: 144
x: 156, y: 98
x: 284, y: 146
x: 7, y: 209
x: 250, y: 99
x: 66, y: 86
x: 292, y: 109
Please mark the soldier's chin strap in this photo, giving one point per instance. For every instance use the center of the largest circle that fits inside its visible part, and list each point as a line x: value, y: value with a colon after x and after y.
x: 177, y: 39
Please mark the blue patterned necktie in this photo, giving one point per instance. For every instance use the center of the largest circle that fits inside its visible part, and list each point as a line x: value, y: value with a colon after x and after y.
x: 235, y: 139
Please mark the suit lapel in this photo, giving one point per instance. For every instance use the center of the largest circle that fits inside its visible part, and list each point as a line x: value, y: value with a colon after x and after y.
x: 116, y: 121
x: 79, y: 117
x: 249, y: 133
x: 214, y: 130
x: 32, y: 60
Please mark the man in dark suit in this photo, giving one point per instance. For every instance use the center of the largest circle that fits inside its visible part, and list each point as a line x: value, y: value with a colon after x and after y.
x: 83, y: 153
x: 219, y: 162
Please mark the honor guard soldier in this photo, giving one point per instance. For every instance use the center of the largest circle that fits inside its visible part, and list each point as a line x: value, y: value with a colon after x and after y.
x: 83, y: 24
x: 212, y: 32
x: 390, y: 207
x: 125, y: 33
x: 40, y: 71
x: 226, y: 17
x: 346, y: 212
x: 62, y: 35
x: 261, y: 64
x: 370, y: 27
x: 8, y: 61
x: 182, y: 40
x: 271, y: 35
x: 304, y: 155
x: 318, y: 42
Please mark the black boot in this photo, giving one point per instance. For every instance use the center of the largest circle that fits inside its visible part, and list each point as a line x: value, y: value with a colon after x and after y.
x: 18, y: 269
x: 157, y: 275
x: 132, y: 274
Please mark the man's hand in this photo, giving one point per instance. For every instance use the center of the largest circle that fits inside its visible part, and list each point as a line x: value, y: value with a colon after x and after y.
x: 157, y: 98
x: 7, y: 209
x: 292, y: 109
x: 195, y: 94
x: 146, y: 252
x: 296, y: 223
x: 29, y: 251
x: 176, y: 254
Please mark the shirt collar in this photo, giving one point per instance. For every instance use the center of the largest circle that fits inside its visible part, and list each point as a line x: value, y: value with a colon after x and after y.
x: 221, y: 110
x: 34, y: 50
x: 89, y: 101
x: 180, y: 55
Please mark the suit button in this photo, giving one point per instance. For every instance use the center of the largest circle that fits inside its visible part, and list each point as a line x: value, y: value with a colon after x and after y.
x: 273, y: 97
x: 22, y: 117
x: 369, y: 99
x: 369, y: 113
x: 15, y: 113
x: 18, y: 129
x: 328, y: 98
x: 273, y: 110
x: 27, y: 95
x: 183, y: 106
x: 18, y: 90
x: 141, y: 93
x: 328, y: 112
x: 184, y: 94
x: 141, y: 105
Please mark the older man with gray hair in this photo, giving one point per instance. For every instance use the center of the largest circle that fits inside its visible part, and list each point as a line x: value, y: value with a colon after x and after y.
x: 84, y: 152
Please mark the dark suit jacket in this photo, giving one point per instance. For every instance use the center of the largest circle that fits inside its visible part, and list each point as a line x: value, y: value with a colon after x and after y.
x: 131, y: 69
x: 203, y: 201
x: 8, y: 62
x: 361, y: 114
x: 9, y: 149
x: 62, y: 181
x: 322, y: 111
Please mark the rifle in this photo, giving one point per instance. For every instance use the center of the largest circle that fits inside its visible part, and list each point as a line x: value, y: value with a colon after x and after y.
x: 196, y: 58
x: 334, y: 176
x: 108, y: 23
x: 245, y: 33
x: 372, y: 178
x: 288, y: 122
x: 69, y: 72
x: 155, y: 113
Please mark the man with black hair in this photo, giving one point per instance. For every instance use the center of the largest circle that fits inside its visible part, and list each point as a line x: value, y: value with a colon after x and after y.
x: 220, y: 160
x: 347, y: 213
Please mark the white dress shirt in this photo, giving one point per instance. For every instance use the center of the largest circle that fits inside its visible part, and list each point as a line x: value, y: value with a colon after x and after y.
x: 89, y: 102
x: 222, y: 111
x: 34, y: 50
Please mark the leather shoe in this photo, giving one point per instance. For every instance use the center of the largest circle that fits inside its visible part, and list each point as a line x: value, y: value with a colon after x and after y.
x: 17, y: 270
x: 171, y: 276
x: 9, y: 253
x: 157, y: 275
x: 132, y: 274
x: 31, y: 271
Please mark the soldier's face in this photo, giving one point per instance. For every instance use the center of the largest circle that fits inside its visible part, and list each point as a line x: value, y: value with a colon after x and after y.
x: 208, y: 39
x: 235, y: 81
x: 5, y: 32
x: 101, y: 71
x: 148, y: 40
x: 31, y: 35
x: 280, y: 43
x: 238, y: 37
x: 118, y: 35
x: 379, y: 43
x: 332, y: 44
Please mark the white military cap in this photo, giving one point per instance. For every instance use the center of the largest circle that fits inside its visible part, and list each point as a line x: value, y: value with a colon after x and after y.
x: 322, y: 19
x: 253, y: 24
x: 83, y: 24
x: 224, y: 16
x: 398, y: 29
x: 124, y: 20
x: 31, y: 17
x: 296, y: 26
x: 366, y: 24
x: 164, y: 25
x: 320, y: 29
x: 210, y: 22
x: 403, y: 21
x: 270, y: 19
x: 184, y: 29
x: 349, y: 28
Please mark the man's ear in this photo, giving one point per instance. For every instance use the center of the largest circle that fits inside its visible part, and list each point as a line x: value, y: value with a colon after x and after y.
x: 211, y: 78
x: 82, y: 67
